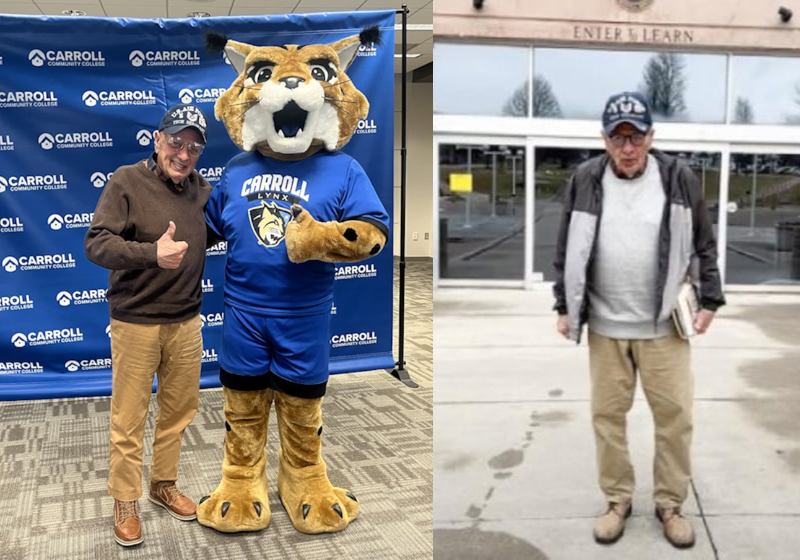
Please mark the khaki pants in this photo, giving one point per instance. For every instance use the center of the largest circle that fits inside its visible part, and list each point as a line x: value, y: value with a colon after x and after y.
x: 663, y: 365
x: 138, y: 351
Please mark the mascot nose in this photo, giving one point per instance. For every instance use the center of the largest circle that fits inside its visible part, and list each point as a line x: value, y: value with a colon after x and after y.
x: 291, y: 82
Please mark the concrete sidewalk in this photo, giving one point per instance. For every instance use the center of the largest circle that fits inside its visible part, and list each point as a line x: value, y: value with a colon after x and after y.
x: 514, y: 467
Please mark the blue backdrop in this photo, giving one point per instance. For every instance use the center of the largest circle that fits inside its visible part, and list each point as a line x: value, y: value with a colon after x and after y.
x: 80, y: 97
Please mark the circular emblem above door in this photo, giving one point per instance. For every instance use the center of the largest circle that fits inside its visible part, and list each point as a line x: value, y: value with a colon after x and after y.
x: 635, y: 5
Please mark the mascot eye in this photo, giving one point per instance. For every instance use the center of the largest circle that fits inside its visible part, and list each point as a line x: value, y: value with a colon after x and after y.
x: 322, y: 73
x: 260, y: 72
x: 263, y: 74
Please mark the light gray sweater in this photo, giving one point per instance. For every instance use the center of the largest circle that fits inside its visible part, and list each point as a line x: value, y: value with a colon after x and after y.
x: 622, y: 296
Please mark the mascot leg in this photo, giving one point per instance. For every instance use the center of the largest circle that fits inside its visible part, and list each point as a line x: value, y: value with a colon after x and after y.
x: 241, y: 501
x: 314, y: 506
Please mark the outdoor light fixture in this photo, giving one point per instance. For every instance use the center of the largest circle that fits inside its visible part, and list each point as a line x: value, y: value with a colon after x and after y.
x: 785, y: 13
x: 198, y: 14
x: 79, y: 13
x: 477, y: 4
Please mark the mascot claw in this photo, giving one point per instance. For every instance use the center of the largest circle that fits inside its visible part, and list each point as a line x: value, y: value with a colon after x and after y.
x: 232, y: 513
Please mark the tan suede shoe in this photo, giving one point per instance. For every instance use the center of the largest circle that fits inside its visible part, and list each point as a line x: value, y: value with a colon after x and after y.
x: 677, y: 529
x: 127, y: 527
x: 167, y: 495
x: 611, y: 525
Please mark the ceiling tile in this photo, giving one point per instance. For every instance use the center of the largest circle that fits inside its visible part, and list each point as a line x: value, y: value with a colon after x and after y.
x: 20, y: 9
x: 200, y: 6
x: 318, y: 9
x: 413, y: 5
x: 284, y: 5
x: 424, y: 15
x: 181, y: 10
x: 71, y: 4
x: 56, y: 9
x: 412, y: 35
x: 257, y: 11
x: 136, y: 11
x: 161, y: 3
x: 424, y: 48
x: 332, y: 5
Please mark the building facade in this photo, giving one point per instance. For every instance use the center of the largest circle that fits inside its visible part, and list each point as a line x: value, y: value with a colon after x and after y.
x: 519, y: 90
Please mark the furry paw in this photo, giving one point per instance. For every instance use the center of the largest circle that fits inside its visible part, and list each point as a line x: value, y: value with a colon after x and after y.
x: 304, y: 236
x: 235, y: 506
x: 313, y: 504
x: 299, y: 213
x: 326, y: 512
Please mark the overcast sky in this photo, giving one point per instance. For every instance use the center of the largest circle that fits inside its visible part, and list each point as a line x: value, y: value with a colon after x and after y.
x: 477, y: 79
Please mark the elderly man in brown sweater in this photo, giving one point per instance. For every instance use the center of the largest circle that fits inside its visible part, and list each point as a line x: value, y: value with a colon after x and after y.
x: 149, y: 231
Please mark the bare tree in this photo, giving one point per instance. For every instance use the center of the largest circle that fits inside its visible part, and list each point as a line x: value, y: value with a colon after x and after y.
x: 744, y: 111
x: 545, y: 103
x: 794, y: 119
x: 664, y: 84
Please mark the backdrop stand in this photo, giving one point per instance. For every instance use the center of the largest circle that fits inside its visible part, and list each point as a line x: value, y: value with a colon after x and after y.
x: 400, y: 372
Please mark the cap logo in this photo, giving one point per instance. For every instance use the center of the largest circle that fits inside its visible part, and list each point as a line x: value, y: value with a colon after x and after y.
x: 626, y: 104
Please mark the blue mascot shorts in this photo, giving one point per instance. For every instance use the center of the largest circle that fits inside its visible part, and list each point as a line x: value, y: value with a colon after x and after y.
x: 287, y: 354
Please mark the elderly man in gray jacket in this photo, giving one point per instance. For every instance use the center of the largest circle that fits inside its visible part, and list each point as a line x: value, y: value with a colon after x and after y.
x: 634, y: 229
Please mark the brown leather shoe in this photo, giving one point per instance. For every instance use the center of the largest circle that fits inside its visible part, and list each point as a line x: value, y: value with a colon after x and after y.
x: 611, y: 525
x: 677, y: 529
x: 127, y: 527
x: 167, y: 495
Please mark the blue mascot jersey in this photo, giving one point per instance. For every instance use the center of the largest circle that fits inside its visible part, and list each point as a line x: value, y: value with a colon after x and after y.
x: 250, y: 208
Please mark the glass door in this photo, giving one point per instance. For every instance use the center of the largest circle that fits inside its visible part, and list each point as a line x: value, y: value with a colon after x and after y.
x: 482, y: 212
x: 555, y: 164
x: 764, y: 216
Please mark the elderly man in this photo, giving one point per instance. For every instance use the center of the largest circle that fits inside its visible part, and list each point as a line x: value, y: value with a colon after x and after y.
x: 149, y: 230
x: 634, y: 228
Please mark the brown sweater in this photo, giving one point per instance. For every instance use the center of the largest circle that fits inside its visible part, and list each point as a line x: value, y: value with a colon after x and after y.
x: 133, y: 212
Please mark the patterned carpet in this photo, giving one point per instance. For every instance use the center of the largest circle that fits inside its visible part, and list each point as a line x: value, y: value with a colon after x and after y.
x: 378, y: 442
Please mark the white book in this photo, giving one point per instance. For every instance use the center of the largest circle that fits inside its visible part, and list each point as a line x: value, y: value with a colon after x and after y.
x: 686, y: 311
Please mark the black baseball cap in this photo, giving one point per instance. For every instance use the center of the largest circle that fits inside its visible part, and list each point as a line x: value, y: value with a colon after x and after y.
x: 627, y: 107
x: 183, y: 116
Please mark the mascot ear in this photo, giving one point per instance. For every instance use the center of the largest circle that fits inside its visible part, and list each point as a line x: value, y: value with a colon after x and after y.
x: 235, y: 51
x: 347, y: 48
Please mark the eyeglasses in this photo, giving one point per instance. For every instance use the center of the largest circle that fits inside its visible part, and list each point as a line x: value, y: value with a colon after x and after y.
x: 619, y: 140
x: 177, y: 143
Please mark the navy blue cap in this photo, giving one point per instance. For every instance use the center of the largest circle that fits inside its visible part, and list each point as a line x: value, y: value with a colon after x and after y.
x: 627, y: 107
x: 183, y: 116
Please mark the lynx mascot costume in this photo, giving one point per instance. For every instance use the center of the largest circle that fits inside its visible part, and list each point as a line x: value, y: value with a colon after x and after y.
x: 289, y: 207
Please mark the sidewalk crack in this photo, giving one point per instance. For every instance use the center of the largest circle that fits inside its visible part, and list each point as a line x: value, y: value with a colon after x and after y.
x: 705, y: 522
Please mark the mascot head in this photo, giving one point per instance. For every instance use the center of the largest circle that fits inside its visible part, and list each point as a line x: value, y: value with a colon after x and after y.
x: 290, y: 101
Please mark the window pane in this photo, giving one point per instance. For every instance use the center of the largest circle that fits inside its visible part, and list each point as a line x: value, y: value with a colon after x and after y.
x: 482, y: 212
x: 554, y: 167
x: 681, y: 87
x: 766, y: 90
x: 763, y: 215
x: 480, y: 79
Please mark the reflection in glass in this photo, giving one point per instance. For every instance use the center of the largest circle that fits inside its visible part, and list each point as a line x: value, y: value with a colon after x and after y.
x: 681, y: 87
x: 554, y: 167
x: 481, y: 79
x: 766, y: 90
x: 763, y: 211
x: 481, y: 211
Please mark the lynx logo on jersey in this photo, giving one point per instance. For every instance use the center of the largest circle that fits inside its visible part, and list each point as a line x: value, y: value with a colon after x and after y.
x: 269, y: 223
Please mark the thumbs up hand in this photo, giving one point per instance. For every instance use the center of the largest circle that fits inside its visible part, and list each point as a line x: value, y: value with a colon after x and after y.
x: 169, y: 253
